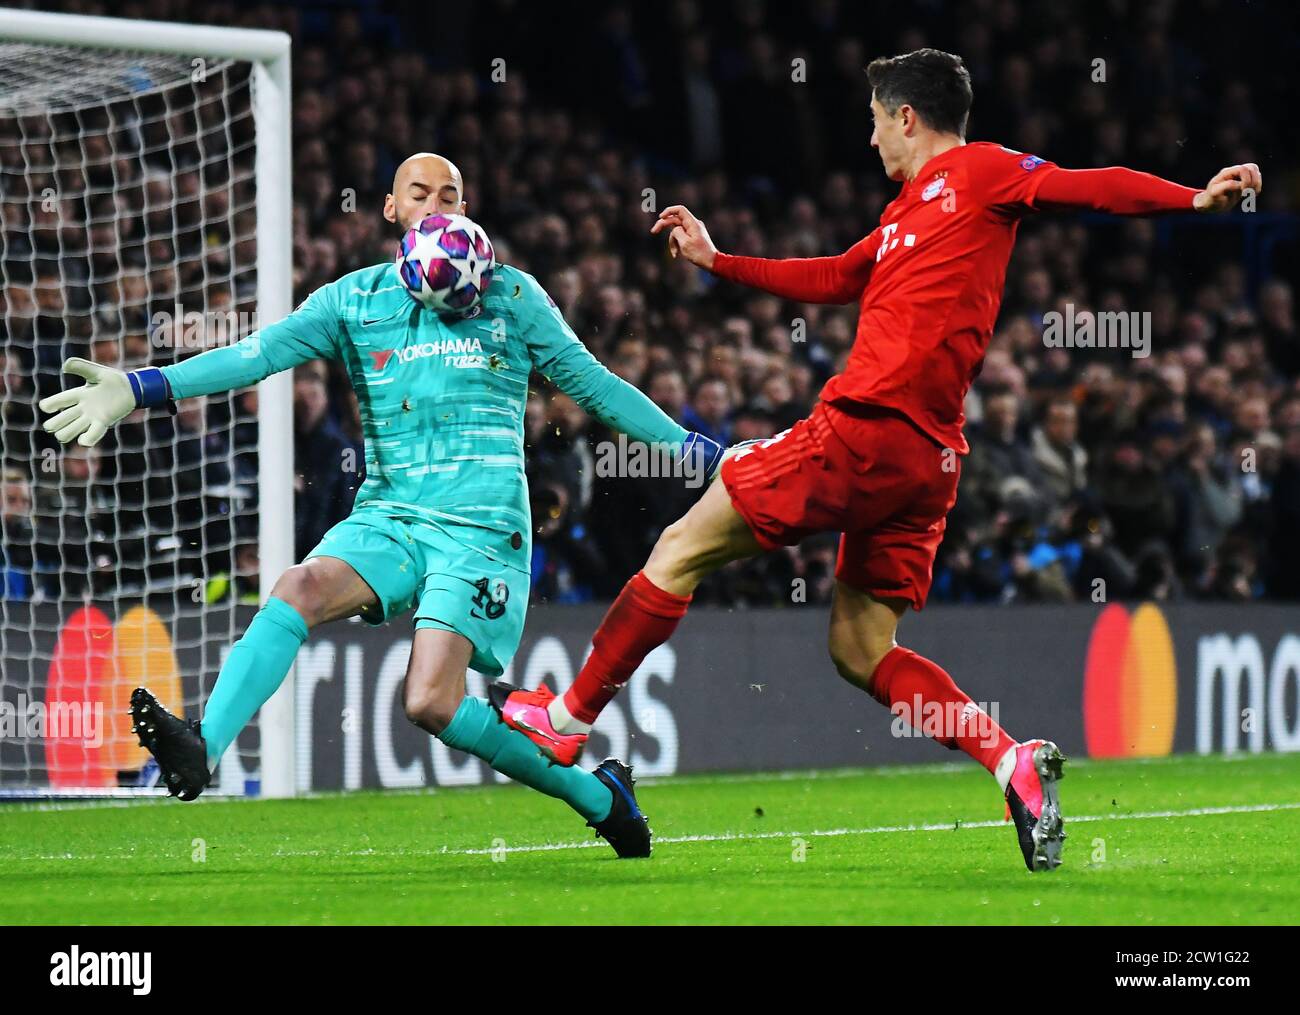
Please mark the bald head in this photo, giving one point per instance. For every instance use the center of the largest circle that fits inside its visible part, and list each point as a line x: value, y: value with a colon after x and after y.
x: 424, y: 183
x: 427, y: 165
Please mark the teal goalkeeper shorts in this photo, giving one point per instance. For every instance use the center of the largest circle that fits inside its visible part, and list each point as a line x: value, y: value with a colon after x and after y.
x: 452, y: 586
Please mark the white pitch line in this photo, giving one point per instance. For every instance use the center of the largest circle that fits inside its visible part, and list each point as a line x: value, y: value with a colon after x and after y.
x: 672, y: 840
x: 811, y: 775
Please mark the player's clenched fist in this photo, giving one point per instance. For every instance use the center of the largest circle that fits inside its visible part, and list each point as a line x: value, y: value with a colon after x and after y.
x: 687, y: 236
x: 1224, y: 191
x: 85, y: 413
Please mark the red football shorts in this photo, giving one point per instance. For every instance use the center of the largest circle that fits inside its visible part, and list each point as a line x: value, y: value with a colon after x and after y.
x: 872, y: 476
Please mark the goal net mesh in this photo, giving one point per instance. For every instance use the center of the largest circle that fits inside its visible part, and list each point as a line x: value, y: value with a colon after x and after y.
x: 127, y: 237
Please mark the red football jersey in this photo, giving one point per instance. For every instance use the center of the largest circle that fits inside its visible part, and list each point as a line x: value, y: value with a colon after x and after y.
x: 930, y: 276
x: 941, y: 253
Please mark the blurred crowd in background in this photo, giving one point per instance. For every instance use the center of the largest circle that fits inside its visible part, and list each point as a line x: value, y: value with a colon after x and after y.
x: 1166, y: 476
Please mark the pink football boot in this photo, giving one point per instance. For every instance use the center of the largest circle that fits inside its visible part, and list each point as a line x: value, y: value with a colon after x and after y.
x: 1028, y: 774
x: 525, y: 711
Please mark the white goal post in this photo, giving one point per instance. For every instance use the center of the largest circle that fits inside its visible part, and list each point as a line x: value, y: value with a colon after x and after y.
x: 115, y: 44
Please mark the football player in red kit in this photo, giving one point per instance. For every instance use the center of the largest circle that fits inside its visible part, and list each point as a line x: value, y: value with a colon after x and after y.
x: 879, y: 457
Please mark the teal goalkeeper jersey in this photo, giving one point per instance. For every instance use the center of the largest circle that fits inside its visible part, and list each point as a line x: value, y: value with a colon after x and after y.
x: 442, y: 400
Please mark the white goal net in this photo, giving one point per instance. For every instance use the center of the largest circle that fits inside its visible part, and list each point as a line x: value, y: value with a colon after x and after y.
x: 128, y: 236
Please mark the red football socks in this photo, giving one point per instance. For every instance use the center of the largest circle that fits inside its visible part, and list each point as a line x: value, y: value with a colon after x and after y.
x: 642, y: 618
x: 922, y: 693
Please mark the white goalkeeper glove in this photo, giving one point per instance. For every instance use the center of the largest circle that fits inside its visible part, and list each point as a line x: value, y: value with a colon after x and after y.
x: 107, y: 397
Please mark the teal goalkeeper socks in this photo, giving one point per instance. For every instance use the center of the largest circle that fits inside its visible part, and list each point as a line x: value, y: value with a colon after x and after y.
x: 254, y: 669
x: 476, y: 730
x: 260, y: 659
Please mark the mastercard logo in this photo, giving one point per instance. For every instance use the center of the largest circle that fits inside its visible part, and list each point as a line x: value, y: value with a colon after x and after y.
x: 97, y: 663
x: 1130, y: 685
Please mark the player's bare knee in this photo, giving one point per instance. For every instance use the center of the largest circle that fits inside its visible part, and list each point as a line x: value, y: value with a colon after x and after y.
x: 428, y: 707
x: 416, y: 705
x: 857, y: 663
x: 673, y: 542
x: 851, y: 666
x: 301, y: 588
x: 677, y: 552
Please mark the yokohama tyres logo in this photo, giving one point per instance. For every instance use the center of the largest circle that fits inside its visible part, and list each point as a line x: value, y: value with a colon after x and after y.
x: 380, y: 358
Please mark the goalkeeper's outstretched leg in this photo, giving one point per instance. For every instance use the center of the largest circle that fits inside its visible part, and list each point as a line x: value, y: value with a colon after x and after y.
x: 433, y: 696
x: 326, y: 588
x: 305, y: 596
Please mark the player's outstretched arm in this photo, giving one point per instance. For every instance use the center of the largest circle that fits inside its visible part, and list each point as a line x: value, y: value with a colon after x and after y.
x: 1227, y: 187
x: 838, y: 279
x: 1122, y: 191
x: 109, y: 395
x: 310, y: 332
x: 85, y: 414
x: 560, y: 355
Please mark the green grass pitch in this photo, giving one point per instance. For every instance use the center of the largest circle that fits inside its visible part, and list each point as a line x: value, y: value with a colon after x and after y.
x: 1187, y: 840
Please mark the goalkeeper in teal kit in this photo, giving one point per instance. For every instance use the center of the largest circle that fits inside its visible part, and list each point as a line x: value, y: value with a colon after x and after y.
x: 441, y: 523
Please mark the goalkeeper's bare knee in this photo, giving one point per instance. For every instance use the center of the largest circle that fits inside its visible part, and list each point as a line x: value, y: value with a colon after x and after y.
x: 323, y: 589
x: 302, y: 589
x: 429, y: 706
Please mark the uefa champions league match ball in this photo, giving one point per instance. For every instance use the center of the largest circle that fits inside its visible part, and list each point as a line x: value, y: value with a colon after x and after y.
x: 446, y: 262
